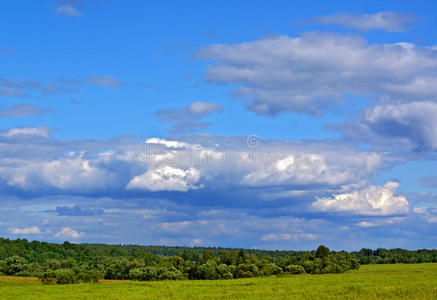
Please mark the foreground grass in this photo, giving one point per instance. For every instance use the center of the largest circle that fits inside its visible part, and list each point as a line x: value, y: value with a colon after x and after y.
x: 370, y: 282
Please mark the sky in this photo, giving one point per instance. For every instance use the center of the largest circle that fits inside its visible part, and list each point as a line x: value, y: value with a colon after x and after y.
x: 244, y: 124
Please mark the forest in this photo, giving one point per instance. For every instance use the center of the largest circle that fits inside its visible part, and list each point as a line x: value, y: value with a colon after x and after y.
x: 73, y: 263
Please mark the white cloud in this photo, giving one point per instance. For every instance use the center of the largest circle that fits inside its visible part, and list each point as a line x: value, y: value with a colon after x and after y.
x: 166, y: 143
x: 426, y: 213
x: 276, y: 237
x: 204, y: 108
x: 306, y: 74
x: 75, y: 173
x: 294, y: 169
x: 166, y: 179
x: 35, y: 131
x: 27, y: 230
x: 68, y: 10
x: 33, y: 161
x: 386, y: 20
x: 414, y: 122
x: 366, y: 224
x: 373, y: 200
x: 68, y: 233
x: 313, y: 168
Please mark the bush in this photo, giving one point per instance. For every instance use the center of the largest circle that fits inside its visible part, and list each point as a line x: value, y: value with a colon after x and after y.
x: 14, y: 265
x: 144, y: 274
x: 169, y: 273
x: 89, y: 276
x: 68, y: 276
x: 247, y: 270
x: 224, y: 272
x: 48, y: 277
x: 271, y: 269
x: 295, y: 269
x: 65, y: 276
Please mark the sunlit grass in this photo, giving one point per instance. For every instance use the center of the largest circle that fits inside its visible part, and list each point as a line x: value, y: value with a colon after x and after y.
x: 418, y: 281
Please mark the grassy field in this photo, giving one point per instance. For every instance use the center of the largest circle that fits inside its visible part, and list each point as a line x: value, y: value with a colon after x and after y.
x: 370, y: 282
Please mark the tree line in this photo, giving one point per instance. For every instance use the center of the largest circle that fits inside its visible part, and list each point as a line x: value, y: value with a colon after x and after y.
x: 73, y: 263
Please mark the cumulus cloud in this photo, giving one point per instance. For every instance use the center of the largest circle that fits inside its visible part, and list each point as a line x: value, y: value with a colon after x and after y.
x: 306, y: 74
x: 21, y: 110
x: 68, y: 233
x: 32, y: 161
x: 105, y: 80
x: 297, y: 169
x: 166, y: 179
x: 386, y: 20
x: 183, y: 117
x: 374, y: 200
x: 73, y: 174
x: 409, y: 124
x: 310, y: 167
x: 26, y: 230
x: 68, y: 10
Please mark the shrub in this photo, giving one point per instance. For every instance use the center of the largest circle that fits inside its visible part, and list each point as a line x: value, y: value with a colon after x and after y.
x: 247, y: 270
x: 89, y: 276
x: 271, y: 269
x: 65, y: 276
x: 295, y: 269
x: 169, y: 273
x: 224, y: 272
x: 144, y: 274
x: 14, y: 265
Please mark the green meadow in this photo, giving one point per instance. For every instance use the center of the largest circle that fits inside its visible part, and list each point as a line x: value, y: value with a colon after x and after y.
x: 397, y: 281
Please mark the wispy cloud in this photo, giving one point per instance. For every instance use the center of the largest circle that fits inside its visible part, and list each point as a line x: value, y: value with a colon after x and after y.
x: 68, y: 10
x: 387, y: 20
x: 183, y: 117
x: 429, y: 181
x: 105, y: 80
x: 77, y: 210
x: 16, y: 88
x: 11, y: 92
x: 22, y: 110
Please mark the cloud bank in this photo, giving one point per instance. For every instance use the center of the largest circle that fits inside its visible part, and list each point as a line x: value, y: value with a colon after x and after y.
x: 307, y: 74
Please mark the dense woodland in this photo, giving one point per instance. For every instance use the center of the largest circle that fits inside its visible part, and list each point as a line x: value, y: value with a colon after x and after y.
x: 72, y: 263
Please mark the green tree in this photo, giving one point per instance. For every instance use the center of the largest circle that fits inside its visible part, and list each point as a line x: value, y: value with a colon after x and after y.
x: 14, y: 264
x: 322, y: 251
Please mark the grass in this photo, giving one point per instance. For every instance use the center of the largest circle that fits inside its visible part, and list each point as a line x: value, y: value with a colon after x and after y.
x: 398, y: 281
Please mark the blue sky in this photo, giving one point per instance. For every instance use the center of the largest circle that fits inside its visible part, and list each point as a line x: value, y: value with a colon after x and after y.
x: 273, y: 125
